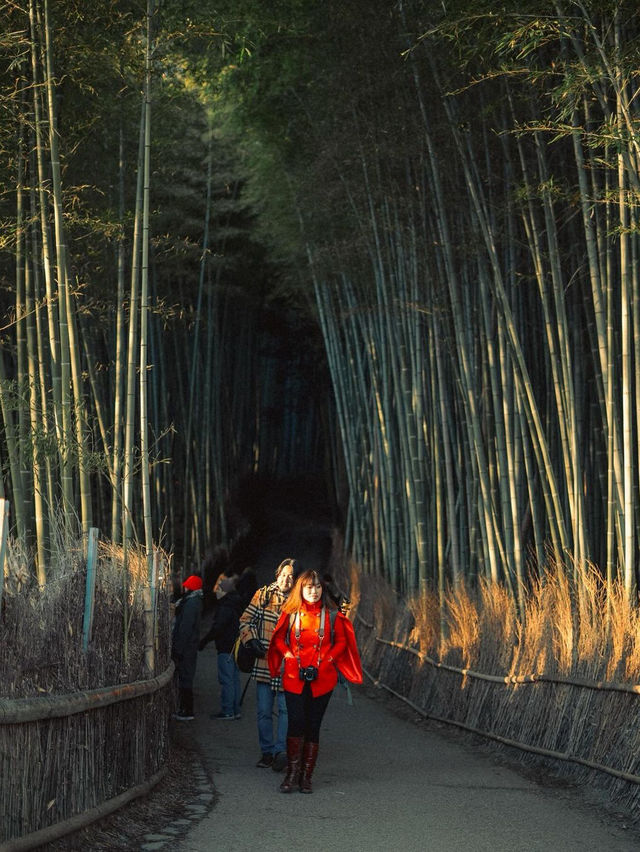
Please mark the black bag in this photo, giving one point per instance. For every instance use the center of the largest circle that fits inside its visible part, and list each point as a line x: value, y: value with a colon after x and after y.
x: 244, y: 657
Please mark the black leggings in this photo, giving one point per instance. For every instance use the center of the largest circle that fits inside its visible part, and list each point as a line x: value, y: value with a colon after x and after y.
x: 305, y: 713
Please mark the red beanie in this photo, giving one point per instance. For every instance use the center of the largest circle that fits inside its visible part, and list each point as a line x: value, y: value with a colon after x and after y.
x: 192, y: 583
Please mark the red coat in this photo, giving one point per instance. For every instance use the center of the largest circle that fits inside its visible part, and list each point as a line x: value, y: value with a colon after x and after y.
x: 340, y: 656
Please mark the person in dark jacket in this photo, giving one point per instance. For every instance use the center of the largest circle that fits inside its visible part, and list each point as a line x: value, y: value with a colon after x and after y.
x: 224, y: 630
x: 184, y: 644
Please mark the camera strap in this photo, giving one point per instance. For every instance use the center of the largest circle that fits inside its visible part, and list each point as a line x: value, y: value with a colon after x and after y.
x: 296, y: 624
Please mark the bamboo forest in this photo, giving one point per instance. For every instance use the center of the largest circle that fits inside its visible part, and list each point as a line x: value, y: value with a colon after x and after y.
x: 392, y: 243
x: 328, y: 295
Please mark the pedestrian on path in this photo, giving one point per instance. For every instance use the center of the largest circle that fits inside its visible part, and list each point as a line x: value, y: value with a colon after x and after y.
x: 316, y: 642
x: 224, y: 631
x: 257, y: 623
x: 184, y: 643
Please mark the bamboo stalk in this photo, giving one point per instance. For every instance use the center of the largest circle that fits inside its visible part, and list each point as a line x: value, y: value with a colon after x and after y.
x: 119, y: 367
x: 144, y: 307
x: 61, y: 262
x: 4, y: 533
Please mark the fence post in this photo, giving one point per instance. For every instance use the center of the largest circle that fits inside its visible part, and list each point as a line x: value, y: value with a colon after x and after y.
x: 4, y: 532
x: 149, y: 597
x: 159, y: 574
x: 89, y: 594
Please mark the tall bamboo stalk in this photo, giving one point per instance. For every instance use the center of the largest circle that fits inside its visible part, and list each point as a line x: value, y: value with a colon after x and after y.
x: 144, y: 306
x: 65, y: 433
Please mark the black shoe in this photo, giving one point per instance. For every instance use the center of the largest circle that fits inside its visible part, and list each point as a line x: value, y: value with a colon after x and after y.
x: 279, y: 761
x: 266, y: 760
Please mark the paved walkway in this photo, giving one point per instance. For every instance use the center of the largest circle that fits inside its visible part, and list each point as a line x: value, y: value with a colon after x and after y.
x: 381, y: 783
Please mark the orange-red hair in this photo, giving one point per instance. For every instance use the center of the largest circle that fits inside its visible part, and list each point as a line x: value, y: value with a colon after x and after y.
x: 295, y: 600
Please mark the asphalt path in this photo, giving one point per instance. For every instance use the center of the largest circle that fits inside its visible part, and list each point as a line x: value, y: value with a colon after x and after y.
x: 381, y: 782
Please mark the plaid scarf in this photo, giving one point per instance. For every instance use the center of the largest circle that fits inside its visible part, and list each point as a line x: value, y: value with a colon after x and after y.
x: 258, y: 621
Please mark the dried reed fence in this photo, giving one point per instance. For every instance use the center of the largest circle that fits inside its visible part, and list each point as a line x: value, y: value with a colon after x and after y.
x: 81, y: 732
x: 561, y: 684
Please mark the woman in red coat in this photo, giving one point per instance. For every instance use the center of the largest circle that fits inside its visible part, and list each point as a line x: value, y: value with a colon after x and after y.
x: 315, y: 642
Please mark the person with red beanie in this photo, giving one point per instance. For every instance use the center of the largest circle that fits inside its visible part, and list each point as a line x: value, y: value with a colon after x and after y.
x: 184, y: 644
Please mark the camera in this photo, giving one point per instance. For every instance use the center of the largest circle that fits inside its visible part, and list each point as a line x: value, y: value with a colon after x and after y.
x: 308, y: 673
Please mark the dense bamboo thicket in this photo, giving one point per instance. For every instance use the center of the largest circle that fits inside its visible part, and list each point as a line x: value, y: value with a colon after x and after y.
x: 444, y: 195
x: 465, y: 185
x: 142, y: 371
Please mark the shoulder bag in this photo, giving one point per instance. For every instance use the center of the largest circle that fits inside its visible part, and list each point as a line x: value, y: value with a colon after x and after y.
x: 244, y: 657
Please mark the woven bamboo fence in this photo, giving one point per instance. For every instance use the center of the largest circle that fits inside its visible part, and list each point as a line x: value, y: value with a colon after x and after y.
x: 67, y: 760
x: 73, y: 749
x: 585, y: 730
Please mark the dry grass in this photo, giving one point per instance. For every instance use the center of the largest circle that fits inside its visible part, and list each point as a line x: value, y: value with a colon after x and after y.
x: 569, y: 627
x: 572, y: 628
x: 41, y: 628
x: 570, y: 624
x: 426, y: 632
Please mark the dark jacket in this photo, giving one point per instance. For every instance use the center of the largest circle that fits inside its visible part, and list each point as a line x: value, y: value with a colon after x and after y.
x: 185, y: 636
x: 226, y: 620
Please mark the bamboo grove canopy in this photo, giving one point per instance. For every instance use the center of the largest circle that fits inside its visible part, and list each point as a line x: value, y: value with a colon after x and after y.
x: 435, y: 203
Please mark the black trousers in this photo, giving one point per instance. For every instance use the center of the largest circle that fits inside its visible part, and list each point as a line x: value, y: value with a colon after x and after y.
x: 185, y: 701
x: 305, y: 713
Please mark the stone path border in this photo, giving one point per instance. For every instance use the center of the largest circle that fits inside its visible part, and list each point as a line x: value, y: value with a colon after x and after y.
x: 193, y: 813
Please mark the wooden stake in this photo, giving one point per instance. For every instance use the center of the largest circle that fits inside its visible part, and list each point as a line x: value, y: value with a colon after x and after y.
x: 4, y: 531
x: 89, y: 595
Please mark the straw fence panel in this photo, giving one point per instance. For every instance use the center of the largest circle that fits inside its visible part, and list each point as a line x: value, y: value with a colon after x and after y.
x: 63, y: 756
x: 586, y: 730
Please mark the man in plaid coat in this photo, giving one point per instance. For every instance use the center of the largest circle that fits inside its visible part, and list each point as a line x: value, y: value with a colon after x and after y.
x: 257, y: 624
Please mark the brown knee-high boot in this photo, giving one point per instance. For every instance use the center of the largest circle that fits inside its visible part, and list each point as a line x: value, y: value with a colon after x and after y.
x: 309, y: 756
x: 294, y: 758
